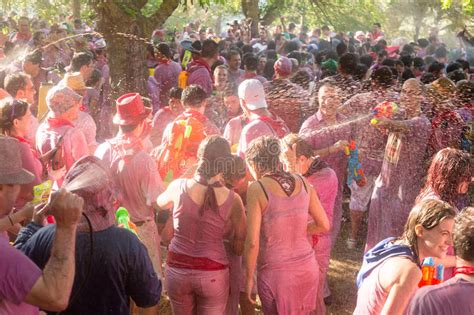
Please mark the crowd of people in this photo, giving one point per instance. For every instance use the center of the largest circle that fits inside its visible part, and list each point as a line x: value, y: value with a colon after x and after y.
x: 234, y: 168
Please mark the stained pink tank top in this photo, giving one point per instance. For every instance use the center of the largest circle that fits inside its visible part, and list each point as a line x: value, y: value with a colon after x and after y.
x: 283, y: 233
x: 200, y: 236
x: 371, y: 297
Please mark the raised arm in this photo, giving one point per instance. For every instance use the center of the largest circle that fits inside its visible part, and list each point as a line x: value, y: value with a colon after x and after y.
x: 52, y: 290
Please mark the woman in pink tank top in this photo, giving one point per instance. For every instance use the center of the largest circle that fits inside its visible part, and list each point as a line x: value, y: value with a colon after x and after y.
x: 299, y: 158
x: 278, y: 205
x: 390, y: 272
x: 197, y: 273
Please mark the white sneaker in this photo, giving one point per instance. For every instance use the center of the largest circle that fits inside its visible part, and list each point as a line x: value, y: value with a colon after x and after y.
x: 351, y: 243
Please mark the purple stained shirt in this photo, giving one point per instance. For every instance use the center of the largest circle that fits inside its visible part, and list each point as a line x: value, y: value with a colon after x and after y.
x: 166, y: 76
x: 137, y: 179
x: 199, y: 75
x: 451, y: 297
x: 253, y: 130
x: 18, y: 274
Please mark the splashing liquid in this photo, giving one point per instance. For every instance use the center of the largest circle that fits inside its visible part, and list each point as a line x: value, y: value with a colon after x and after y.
x: 89, y: 176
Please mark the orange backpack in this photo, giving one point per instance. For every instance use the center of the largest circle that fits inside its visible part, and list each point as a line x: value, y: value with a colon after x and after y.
x: 180, y: 150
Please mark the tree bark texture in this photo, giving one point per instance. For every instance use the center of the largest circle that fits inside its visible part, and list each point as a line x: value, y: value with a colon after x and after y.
x: 76, y: 8
x: 127, y: 53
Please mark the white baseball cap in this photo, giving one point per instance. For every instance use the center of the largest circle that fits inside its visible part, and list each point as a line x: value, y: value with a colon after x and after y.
x: 252, y: 92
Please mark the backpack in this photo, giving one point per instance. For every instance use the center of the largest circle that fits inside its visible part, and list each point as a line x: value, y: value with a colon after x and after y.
x: 180, y: 149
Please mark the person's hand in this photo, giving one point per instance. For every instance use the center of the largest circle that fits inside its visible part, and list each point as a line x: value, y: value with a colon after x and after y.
x: 39, y: 214
x: 341, y: 145
x: 248, y: 291
x: 27, y: 211
x: 56, y: 175
x: 382, y: 122
x: 66, y: 208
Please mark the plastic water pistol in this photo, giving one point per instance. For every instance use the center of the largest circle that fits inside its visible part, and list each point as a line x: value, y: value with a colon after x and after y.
x: 431, y: 275
x: 354, y: 167
x: 123, y: 219
x: 385, y: 109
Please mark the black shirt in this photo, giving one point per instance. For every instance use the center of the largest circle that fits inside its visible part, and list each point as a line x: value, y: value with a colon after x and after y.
x: 120, y: 269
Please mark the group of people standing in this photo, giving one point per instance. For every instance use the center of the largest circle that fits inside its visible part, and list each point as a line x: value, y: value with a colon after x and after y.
x: 237, y: 177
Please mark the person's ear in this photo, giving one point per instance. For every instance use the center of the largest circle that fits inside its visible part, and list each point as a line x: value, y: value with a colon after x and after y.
x: 419, y: 230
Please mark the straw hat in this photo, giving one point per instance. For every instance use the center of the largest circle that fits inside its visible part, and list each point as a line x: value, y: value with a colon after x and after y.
x: 11, y: 169
x: 75, y: 81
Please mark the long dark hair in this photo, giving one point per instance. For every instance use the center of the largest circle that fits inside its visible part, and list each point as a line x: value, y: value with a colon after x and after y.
x: 214, y: 155
x: 449, y: 168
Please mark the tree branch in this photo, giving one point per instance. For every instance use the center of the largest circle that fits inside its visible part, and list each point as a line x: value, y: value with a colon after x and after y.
x: 167, y: 8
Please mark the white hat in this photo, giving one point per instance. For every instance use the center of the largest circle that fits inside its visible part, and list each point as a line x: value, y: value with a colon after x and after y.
x: 359, y: 33
x: 251, y: 91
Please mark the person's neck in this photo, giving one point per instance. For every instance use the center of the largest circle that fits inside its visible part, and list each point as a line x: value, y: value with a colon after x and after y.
x: 464, y: 263
x: 16, y: 133
x: 332, y: 119
x: 201, y: 109
x: 208, y: 61
x: 259, y: 112
x: 307, y: 165
x: 281, y: 77
x: 410, y: 114
x: 99, y: 222
x: 134, y: 134
x: 63, y: 117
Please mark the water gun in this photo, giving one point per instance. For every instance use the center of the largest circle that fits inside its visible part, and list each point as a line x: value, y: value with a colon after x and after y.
x: 431, y: 275
x: 385, y: 109
x: 123, y: 219
x: 354, y: 167
x: 41, y: 192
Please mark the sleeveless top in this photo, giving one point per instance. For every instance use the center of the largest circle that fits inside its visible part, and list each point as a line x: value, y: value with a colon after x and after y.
x: 198, y: 235
x: 283, y: 233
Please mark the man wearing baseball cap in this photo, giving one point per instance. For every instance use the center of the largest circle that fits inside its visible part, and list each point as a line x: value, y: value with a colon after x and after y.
x: 261, y: 121
x: 59, y: 132
x: 285, y: 98
x: 23, y: 286
x: 134, y: 171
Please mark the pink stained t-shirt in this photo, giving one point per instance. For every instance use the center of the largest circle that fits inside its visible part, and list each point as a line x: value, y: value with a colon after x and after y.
x: 233, y: 130
x: 326, y: 185
x: 74, y: 142
x: 137, y: 179
x: 254, y: 129
x: 18, y: 275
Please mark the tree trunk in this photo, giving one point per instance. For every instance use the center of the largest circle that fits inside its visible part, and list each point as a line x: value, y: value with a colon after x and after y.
x: 127, y: 53
x: 76, y: 8
x: 251, y: 11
